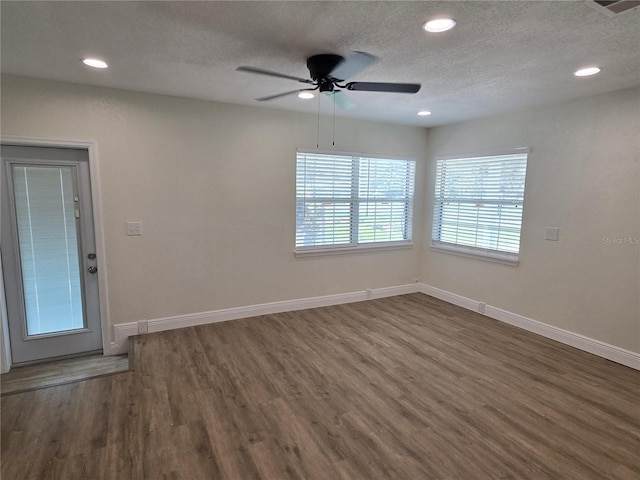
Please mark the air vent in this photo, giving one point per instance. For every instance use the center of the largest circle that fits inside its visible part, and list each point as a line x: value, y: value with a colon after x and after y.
x: 613, y: 7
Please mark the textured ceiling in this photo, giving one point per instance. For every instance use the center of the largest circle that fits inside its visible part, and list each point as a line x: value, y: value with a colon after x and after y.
x: 502, y: 56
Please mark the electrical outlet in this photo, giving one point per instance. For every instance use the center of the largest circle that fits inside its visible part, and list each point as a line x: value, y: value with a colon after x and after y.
x: 143, y: 326
x: 134, y: 228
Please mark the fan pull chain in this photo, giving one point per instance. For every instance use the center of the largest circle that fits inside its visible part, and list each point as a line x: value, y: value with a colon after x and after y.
x: 334, y: 119
x: 318, y: 134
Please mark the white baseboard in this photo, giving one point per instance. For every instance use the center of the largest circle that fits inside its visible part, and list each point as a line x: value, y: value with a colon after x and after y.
x: 596, y: 347
x: 449, y: 297
x: 616, y: 354
x: 124, y: 330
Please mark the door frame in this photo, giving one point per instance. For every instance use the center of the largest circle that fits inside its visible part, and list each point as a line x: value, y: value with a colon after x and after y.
x: 94, y: 178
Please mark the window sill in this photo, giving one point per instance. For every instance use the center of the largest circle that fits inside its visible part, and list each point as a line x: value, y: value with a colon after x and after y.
x: 318, y: 252
x: 478, y: 254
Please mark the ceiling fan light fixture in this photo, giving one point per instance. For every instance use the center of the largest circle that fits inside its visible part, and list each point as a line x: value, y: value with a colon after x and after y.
x: 587, y: 71
x: 94, y: 62
x: 306, y: 95
x: 438, y: 25
x: 424, y: 113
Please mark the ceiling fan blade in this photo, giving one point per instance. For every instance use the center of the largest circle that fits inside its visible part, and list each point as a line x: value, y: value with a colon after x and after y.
x: 383, y: 87
x: 260, y: 71
x: 277, y: 95
x: 343, y: 101
x: 352, y: 65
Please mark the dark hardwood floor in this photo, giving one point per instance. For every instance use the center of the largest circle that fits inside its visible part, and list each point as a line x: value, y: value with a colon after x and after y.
x: 407, y: 387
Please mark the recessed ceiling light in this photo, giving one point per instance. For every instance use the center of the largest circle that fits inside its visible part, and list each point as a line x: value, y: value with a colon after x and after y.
x: 587, y: 71
x: 424, y: 113
x: 306, y: 95
x: 438, y: 25
x: 95, y: 63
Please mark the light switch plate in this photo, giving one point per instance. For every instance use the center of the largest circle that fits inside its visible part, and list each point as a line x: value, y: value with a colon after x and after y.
x: 551, y: 233
x: 134, y: 228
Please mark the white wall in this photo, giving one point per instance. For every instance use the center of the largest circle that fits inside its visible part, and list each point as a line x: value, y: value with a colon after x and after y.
x: 214, y: 187
x: 583, y: 177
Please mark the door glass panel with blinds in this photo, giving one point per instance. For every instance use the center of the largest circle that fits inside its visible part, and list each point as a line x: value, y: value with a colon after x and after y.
x: 45, y: 204
x: 352, y: 200
x: 478, y: 204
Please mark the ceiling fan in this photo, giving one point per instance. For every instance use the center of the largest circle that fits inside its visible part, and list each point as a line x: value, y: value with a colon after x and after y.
x: 329, y: 72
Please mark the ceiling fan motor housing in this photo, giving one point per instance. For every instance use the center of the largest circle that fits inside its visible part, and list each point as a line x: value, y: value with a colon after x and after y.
x: 321, y: 66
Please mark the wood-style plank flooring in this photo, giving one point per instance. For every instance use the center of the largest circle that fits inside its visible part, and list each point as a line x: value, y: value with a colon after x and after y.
x: 407, y: 387
x: 59, y: 372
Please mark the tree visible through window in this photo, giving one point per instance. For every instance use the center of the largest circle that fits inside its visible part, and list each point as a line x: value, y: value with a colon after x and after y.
x: 478, y: 204
x: 350, y: 200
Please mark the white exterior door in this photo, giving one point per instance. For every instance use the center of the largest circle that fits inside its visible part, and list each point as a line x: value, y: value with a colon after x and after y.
x: 48, y: 253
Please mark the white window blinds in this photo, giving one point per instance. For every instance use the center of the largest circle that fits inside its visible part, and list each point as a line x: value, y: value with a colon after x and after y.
x: 48, y: 240
x: 348, y: 200
x: 478, y: 203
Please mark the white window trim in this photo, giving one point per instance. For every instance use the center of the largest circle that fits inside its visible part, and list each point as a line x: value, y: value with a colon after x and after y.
x: 315, y: 251
x: 362, y: 248
x: 484, y: 254
x: 477, y: 253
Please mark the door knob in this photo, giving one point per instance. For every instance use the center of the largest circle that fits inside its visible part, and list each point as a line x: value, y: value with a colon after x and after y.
x: 91, y: 256
x: 92, y: 269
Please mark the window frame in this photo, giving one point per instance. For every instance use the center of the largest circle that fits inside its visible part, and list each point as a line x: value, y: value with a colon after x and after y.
x: 480, y: 253
x: 355, y: 200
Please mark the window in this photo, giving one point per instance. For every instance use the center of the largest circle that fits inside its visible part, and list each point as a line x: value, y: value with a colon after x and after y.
x: 478, y: 205
x: 346, y: 200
